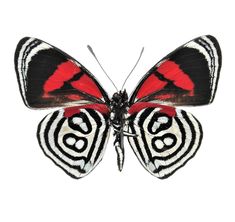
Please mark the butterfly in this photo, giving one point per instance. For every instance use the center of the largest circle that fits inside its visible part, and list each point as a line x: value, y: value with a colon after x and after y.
x: 162, y: 137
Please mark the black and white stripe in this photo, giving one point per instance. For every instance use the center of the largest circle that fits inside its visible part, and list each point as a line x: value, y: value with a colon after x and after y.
x: 26, y: 50
x: 35, y: 62
x: 164, y: 144
x: 209, y: 47
x: 76, y: 144
x: 200, y: 60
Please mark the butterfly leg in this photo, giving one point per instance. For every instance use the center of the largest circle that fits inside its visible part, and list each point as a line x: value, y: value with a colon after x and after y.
x: 119, y: 134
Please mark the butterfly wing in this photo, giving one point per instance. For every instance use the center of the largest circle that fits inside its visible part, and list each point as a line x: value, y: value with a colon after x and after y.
x: 187, y: 76
x: 75, y: 138
x: 49, y: 77
x: 166, y: 138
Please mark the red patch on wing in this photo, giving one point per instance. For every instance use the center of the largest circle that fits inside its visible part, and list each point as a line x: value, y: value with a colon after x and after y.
x: 87, y: 85
x: 68, y: 112
x: 63, y: 73
x: 170, y: 70
x: 66, y: 71
x: 170, y: 111
x: 164, y: 96
x: 150, y: 85
x: 74, y: 97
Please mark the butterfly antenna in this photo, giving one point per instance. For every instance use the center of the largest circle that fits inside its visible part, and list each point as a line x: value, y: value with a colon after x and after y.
x: 92, y: 52
x: 142, y: 50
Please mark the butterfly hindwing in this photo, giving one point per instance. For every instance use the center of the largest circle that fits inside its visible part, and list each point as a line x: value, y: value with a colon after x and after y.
x: 187, y: 76
x: 75, y: 138
x: 165, y: 137
x: 49, y: 77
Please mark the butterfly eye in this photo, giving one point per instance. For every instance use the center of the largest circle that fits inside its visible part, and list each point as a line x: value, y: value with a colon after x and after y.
x: 116, y: 97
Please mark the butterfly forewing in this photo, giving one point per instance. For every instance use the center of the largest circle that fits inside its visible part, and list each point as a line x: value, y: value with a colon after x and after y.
x: 49, y: 77
x: 166, y: 137
x: 75, y: 138
x: 187, y: 76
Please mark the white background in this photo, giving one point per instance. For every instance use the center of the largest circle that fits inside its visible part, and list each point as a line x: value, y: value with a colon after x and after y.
x: 32, y: 188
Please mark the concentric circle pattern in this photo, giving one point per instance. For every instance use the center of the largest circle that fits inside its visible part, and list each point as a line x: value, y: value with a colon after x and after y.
x: 164, y: 143
x: 76, y: 143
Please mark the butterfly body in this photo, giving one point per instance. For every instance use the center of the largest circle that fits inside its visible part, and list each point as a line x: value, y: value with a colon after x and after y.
x: 119, y: 107
x: 162, y: 137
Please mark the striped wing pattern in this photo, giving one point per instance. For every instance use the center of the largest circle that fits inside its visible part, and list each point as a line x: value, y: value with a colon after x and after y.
x: 48, y: 77
x: 187, y: 76
x: 74, y: 139
x: 166, y: 138
x: 162, y: 137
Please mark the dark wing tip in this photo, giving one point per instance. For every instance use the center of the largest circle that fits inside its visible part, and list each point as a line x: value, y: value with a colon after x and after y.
x: 216, y: 45
x: 219, y: 54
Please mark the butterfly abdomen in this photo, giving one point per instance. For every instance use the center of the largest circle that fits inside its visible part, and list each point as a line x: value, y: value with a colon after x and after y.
x: 118, y: 107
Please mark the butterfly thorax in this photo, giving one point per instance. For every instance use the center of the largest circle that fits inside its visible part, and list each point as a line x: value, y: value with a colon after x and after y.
x: 119, y: 106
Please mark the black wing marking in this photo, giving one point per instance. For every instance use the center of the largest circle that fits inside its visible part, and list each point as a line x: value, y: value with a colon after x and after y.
x: 187, y: 76
x: 48, y: 77
x: 166, y: 138
x: 74, y: 138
